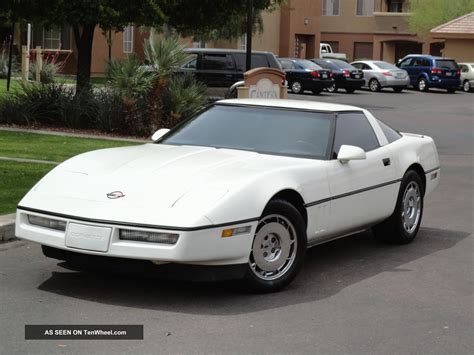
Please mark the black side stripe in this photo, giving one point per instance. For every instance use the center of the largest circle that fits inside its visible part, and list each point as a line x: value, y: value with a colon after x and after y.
x: 310, y: 204
x: 151, y: 226
x: 431, y: 170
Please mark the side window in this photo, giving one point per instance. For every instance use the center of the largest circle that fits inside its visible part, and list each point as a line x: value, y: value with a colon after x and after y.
x: 287, y: 64
x: 352, y: 128
x: 217, y: 62
x: 421, y: 62
x: 389, y: 132
x: 464, y: 68
x: 406, y: 63
x: 357, y: 65
x: 192, y: 64
x: 258, y: 60
x: 366, y: 67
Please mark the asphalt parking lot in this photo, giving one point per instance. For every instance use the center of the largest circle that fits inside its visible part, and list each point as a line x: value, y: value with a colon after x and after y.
x: 353, y: 295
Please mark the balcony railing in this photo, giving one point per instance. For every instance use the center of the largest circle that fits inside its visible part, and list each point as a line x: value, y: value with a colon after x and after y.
x: 392, y: 22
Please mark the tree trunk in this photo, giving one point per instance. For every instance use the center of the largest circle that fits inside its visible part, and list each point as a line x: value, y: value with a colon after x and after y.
x: 84, y: 55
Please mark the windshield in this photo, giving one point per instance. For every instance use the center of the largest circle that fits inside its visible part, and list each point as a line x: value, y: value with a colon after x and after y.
x: 342, y: 64
x: 384, y: 65
x: 263, y: 130
x: 446, y: 64
x: 307, y: 64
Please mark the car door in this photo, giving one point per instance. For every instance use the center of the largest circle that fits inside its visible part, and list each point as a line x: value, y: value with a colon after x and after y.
x: 289, y: 68
x: 362, y: 191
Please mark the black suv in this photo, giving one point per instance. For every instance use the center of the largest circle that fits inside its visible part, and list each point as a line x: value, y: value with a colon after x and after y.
x: 220, y: 68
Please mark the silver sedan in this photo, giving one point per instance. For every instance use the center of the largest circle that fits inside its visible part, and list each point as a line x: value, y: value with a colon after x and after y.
x: 379, y: 74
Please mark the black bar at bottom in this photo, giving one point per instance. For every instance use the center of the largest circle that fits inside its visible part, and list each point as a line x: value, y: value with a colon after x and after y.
x: 83, y: 331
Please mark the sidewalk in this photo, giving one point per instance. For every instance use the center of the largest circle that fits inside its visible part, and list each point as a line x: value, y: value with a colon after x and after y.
x: 7, y: 227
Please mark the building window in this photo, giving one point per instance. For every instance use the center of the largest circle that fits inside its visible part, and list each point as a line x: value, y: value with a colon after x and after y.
x: 52, y: 38
x: 243, y: 42
x: 365, y: 8
x: 395, y: 5
x: 363, y: 50
x: 198, y: 43
x: 128, y: 39
x: 330, y: 7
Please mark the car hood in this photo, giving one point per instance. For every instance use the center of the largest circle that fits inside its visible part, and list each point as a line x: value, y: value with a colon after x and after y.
x: 155, y: 179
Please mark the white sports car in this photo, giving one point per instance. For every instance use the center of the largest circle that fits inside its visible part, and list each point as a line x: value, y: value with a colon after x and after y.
x: 246, y: 185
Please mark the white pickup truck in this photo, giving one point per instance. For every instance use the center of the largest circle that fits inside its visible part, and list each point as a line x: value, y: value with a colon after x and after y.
x: 325, y: 51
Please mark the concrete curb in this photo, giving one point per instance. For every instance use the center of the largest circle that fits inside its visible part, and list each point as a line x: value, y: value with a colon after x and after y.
x: 7, y: 227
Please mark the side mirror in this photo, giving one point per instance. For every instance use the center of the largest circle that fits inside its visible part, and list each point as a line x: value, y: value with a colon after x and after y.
x: 350, y: 152
x: 158, y: 134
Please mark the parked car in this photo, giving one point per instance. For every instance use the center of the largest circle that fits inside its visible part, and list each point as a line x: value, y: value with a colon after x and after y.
x: 243, y: 187
x: 220, y: 68
x: 379, y: 74
x: 345, y: 75
x: 428, y: 71
x: 325, y: 51
x: 303, y: 74
x: 467, y: 76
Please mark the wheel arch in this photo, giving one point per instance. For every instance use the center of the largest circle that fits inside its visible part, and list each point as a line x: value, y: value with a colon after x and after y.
x: 295, y: 199
x: 416, y: 167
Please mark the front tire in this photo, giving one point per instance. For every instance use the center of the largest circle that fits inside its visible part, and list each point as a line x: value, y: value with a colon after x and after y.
x: 278, y: 248
x: 403, y: 225
x: 374, y: 85
x: 296, y: 87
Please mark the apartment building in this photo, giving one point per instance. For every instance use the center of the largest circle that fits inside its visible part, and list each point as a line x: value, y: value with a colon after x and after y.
x: 375, y: 29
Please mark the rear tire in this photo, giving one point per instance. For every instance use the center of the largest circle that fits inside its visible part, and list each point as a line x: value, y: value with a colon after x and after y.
x: 332, y: 89
x: 466, y: 86
x: 374, y: 85
x: 296, y: 87
x: 403, y: 225
x: 278, y: 248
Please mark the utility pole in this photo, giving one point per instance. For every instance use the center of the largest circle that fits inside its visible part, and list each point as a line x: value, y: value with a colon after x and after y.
x: 10, y: 54
x: 248, y: 63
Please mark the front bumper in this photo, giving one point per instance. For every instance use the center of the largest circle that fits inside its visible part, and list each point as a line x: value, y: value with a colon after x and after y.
x: 199, y: 247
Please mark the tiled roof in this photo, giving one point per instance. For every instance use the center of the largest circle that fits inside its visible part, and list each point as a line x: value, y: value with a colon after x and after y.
x: 463, y: 24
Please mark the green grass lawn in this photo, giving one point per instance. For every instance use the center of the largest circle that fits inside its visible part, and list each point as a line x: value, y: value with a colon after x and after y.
x: 15, y: 181
x: 49, y: 147
x: 17, y: 178
x: 14, y: 85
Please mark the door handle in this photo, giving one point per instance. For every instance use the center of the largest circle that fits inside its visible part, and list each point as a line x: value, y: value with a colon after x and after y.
x: 386, y: 161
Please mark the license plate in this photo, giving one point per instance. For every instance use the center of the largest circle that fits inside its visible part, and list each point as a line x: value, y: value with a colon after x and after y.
x: 324, y: 76
x: 83, y: 236
x: 357, y: 76
x: 448, y: 73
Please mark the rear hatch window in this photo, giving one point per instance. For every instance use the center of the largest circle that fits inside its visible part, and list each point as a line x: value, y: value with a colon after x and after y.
x: 446, y: 64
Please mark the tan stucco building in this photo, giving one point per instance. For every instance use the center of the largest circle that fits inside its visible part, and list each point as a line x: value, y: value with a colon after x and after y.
x: 376, y: 29
x: 458, y: 36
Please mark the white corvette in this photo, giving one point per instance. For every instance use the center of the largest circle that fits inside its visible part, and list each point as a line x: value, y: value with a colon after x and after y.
x: 245, y: 185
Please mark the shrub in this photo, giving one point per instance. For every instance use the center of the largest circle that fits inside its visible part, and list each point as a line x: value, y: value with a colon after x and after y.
x: 129, y: 77
x: 4, y: 63
x: 183, y: 96
x: 165, y: 56
x: 48, y: 71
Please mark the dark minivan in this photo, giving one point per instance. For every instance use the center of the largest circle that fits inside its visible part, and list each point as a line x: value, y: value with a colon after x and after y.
x: 221, y: 68
x: 427, y: 72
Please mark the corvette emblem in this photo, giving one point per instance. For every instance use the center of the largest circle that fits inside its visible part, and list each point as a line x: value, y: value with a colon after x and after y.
x: 115, y: 194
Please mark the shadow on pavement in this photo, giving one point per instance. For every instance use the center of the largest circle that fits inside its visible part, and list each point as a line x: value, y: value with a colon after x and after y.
x: 329, y: 268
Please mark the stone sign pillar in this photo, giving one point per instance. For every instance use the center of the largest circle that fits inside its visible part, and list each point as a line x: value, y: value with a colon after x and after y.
x: 263, y: 83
